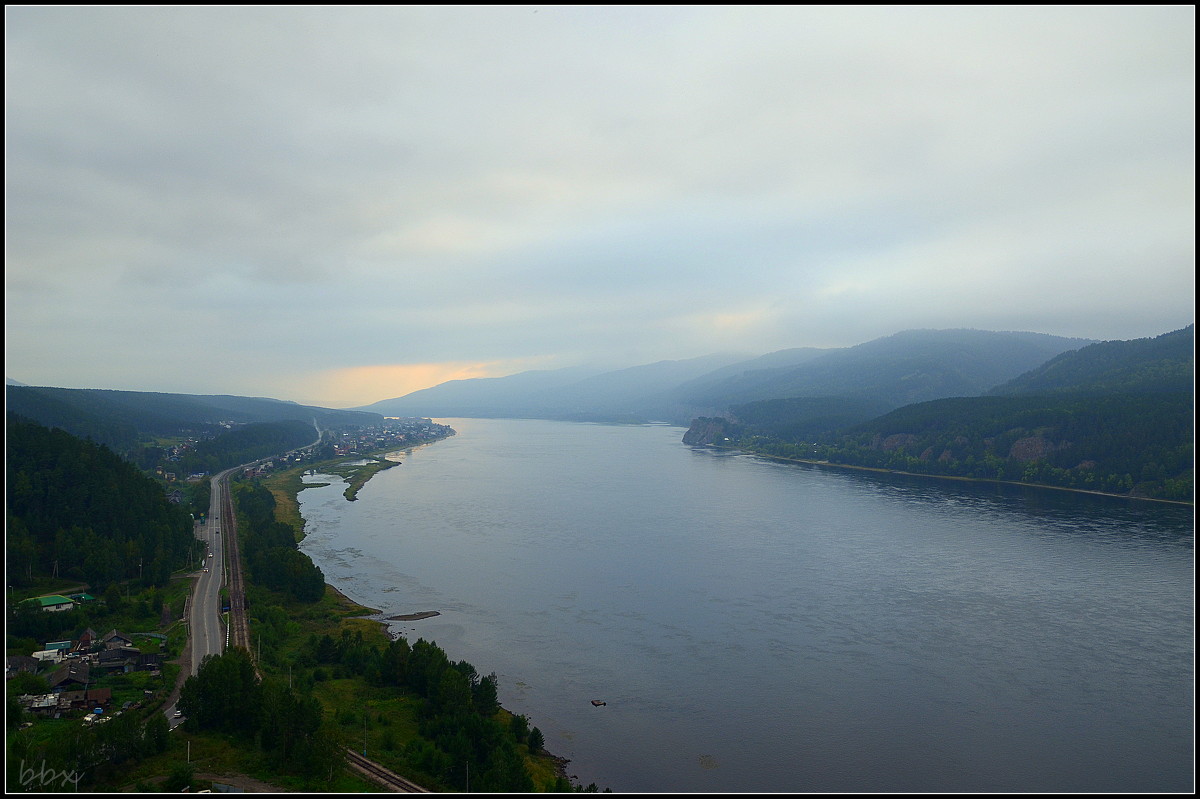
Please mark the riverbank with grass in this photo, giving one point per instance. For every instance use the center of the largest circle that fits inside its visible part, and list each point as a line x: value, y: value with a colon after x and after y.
x: 335, y: 646
x: 286, y: 484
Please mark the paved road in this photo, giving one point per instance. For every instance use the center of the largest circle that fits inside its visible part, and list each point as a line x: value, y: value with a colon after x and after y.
x: 207, y: 633
x: 206, y: 630
x: 206, y: 627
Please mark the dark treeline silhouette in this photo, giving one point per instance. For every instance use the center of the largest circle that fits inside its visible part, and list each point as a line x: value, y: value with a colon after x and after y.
x: 1140, y: 445
x: 125, y: 420
x: 269, y: 547
x: 226, y: 696
x: 79, y: 512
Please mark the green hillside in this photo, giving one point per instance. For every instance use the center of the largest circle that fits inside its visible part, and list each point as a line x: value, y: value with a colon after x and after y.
x: 1116, y: 417
x: 78, y: 511
x: 125, y: 419
x: 1166, y: 363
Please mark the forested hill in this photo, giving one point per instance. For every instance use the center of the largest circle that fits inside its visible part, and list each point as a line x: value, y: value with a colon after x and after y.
x: 76, y: 508
x: 123, y: 420
x: 1117, y: 417
x: 231, y: 448
x: 1166, y: 363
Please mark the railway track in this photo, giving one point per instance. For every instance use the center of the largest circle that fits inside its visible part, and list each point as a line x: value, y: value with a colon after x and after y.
x: 239, y: 628
x: 239, y: 625
x: 388, y: 779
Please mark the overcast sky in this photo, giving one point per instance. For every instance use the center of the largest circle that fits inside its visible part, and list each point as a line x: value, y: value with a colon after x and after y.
x: 337, y: 206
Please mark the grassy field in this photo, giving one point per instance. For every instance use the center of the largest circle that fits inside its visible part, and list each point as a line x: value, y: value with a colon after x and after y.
x: 286, y: 485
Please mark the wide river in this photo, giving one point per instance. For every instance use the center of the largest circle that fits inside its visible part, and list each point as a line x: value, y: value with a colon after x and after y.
x: 754, y: 625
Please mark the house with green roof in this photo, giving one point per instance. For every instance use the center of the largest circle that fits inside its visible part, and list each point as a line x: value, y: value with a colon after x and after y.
x: 53, y: 602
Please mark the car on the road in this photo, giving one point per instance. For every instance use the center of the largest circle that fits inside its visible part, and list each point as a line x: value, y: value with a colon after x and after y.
x: 178, y: 714
x: 206, y: 569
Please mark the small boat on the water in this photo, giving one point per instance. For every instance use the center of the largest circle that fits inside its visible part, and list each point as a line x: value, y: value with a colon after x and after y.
x: 598, y: 702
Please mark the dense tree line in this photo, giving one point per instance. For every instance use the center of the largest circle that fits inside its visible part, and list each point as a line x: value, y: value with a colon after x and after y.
x: 1163, y: 364
x: 226, y: 696
x: 1140, y: 444
x: 461, y: 731
x: 269, y: 547
x: 77, y: 510
x: 50, y: 408
x: 805, y: 418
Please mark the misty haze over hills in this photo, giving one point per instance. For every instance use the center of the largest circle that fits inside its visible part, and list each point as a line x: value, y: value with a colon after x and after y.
x: 910, y: 366
x: 1111, y: 415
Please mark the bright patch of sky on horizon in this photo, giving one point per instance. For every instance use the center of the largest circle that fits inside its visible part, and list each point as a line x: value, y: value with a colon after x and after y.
x: 341, y: 205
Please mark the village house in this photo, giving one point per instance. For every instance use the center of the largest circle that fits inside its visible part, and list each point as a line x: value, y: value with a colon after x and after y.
x: 48, y: 656
x: 53, y: 651
x: 70, y: 674
x: 86, y: 639
x: 53, y: 602
x: 18, y: 664
x: 117, y: 657
x: 114, y: 639
x: 85, y: 700
x: 44, y: 705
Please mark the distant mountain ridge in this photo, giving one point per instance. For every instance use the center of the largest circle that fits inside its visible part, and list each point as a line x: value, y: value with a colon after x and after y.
x: 1115, y: 416
x: 637, y: 393
x: 119, y: 418
x: 910, y: 366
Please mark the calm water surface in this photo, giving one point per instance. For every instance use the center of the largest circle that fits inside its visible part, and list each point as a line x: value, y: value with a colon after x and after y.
x: 760, y: 626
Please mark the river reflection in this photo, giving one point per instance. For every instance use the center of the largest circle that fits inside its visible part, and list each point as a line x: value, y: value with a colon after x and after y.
x: 754, y: 625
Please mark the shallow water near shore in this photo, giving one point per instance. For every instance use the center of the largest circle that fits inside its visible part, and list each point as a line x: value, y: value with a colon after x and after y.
x: 759, y: 626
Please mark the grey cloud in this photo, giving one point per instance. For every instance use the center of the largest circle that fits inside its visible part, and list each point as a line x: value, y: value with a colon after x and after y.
x: 470, y: 183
